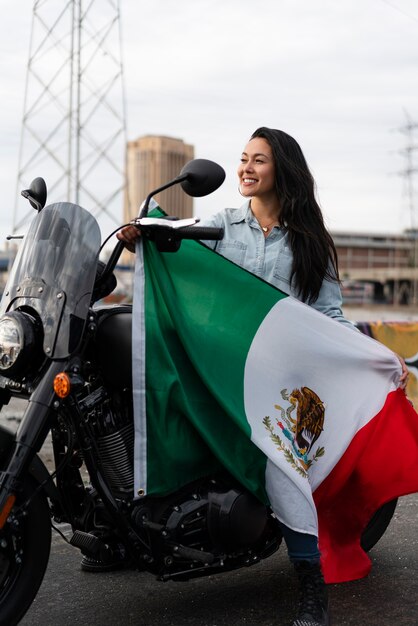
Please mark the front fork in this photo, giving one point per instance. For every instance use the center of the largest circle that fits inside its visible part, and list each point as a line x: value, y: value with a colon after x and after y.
x: 28, y: 440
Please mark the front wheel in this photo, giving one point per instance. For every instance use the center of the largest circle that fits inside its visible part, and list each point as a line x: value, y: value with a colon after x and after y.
x: 25, y: 542
x: 376, y: 528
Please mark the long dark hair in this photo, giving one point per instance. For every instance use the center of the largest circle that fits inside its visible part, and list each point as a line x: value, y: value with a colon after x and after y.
x: 314, y: 253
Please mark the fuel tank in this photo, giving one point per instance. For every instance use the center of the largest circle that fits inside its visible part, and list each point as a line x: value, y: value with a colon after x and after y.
x: 113, y: 345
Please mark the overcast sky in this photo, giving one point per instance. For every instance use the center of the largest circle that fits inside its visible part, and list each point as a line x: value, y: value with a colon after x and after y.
x: 339, y: 75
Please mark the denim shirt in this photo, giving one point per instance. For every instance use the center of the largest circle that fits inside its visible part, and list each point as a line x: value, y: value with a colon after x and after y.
x: 268, y: 257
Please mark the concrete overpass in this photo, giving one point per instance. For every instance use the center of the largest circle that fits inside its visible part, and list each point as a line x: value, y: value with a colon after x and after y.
x: 397, y: 285
x: 387, y: 261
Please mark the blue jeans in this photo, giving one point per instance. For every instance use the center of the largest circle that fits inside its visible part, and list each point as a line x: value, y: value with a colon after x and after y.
x: 300, y: 546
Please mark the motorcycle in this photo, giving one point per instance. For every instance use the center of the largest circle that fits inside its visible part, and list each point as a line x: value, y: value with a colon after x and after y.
x: 69, y: 356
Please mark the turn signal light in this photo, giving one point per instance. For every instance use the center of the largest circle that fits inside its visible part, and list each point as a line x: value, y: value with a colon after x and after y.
x: 62, y: 385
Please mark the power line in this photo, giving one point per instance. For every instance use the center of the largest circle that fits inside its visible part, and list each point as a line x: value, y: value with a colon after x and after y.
x: 393, y: 6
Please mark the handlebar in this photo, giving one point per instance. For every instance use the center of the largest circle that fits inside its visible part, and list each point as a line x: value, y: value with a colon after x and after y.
x: 203, y: 232
x: 167, y: 239
x: 158, y: 228
x: 185, y: 232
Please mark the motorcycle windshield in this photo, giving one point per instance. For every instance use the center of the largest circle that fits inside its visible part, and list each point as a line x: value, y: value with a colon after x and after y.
x: 54, y: 272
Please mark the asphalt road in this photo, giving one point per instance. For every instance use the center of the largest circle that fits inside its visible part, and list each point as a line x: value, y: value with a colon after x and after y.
x: 261, y: 595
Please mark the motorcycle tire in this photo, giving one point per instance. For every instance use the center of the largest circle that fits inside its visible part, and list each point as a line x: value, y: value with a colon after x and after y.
x: 25, y: 543
x: 378, y: 524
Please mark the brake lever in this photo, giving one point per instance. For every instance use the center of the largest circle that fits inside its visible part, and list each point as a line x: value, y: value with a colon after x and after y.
x: 169, y: 222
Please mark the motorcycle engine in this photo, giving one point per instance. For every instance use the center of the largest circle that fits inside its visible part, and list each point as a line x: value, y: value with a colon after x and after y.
x: 231, y: 519
x: 110, y: 415
x: 215, y: 527
x: 111, y: 421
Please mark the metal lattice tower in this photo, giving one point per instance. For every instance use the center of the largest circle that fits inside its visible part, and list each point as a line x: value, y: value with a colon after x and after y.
x: 409, y: 173
x: 74, y: 124
x: 410, y: 169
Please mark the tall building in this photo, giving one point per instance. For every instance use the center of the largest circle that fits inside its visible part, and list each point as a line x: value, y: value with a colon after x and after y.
x: 153, y: 161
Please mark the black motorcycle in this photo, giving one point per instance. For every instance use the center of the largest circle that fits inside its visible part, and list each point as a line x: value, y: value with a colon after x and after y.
x: 70, y: 358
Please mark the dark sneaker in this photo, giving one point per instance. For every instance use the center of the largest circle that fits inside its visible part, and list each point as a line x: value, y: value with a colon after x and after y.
x: 313, y: 597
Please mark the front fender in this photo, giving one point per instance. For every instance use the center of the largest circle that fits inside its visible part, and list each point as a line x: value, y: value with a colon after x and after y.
x: 37, y: 468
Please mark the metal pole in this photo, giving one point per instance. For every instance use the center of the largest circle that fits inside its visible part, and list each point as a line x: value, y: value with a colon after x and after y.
x: 71, y: 107
x: 78, y: 109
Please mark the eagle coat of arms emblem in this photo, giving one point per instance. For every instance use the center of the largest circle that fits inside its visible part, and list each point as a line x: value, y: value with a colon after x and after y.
x: 301, y: 430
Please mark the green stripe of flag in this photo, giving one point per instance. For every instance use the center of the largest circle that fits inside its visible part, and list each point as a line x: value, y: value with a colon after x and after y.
x: 201, y: 314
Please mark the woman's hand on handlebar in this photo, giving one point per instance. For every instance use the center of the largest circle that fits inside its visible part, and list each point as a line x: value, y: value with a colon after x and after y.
x: 183, y: 229
x: 128, y: 235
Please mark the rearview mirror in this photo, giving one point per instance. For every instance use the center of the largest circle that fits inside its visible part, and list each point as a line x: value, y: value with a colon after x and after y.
x: 202, y: 177
x: 36, y: 194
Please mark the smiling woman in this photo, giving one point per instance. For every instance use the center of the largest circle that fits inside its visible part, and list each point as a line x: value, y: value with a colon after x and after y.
x: 281, y: 224
x: 280, y: 236
x: 257, y: 180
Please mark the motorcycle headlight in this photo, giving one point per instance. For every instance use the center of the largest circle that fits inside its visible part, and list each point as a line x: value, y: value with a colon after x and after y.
x: 17, y: 339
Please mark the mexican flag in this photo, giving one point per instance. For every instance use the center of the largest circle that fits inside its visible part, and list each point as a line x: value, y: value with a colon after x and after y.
x: 229, y: 372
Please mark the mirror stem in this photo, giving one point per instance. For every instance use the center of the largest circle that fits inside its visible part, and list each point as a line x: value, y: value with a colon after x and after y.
x: 114, y: 257
x: 175, y: 181
x: 36, y: 205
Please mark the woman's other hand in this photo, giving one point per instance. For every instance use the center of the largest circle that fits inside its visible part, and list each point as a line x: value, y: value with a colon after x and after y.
x: 128, y: 235
x: 403, y: 381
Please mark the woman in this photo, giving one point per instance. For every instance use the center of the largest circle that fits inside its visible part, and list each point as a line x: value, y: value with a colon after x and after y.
x: 279, y: 235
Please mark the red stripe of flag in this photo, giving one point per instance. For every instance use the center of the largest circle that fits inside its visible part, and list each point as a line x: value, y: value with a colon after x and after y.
x: 380, y: 464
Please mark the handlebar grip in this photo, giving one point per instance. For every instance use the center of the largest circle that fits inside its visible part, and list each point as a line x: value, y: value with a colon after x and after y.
x: 200, y: 232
